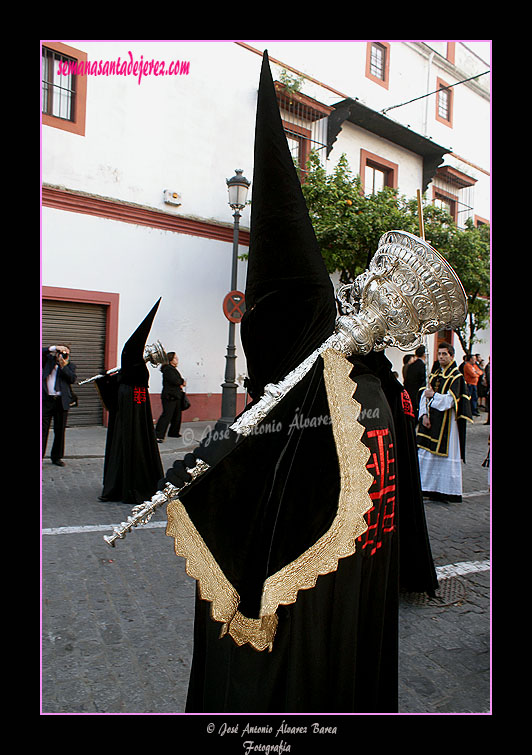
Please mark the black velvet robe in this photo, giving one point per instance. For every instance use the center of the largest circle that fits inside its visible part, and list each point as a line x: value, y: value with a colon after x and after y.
x: 267, y: 500
x: 132, y: 464
x: 416, y: 572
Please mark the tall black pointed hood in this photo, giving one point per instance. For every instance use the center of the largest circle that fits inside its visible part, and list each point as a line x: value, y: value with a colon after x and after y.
x: 133, y: 370
x: 290, y: 304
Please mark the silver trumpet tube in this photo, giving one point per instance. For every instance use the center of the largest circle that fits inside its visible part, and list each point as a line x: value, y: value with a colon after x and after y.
x: 154, y: 354
x: 143, y: 512
x: 97, y: 377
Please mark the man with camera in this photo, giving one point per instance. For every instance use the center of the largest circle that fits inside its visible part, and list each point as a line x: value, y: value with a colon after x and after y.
x: 59, y: 373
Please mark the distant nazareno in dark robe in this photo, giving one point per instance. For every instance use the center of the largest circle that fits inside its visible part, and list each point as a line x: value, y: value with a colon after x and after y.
x: 132, y: 464
x: 416, y: 570
x: 415, y: 380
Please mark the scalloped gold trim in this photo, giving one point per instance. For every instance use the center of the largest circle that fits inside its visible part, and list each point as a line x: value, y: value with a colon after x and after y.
x: 201, y: 564
x: 321, y: 558
x: 340, y: 539
x: 258, y: 632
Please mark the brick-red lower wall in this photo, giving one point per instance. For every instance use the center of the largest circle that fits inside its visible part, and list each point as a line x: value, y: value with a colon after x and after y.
x: 203, y: 406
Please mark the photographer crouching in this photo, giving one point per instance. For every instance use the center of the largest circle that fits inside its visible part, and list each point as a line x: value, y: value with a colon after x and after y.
x: 58, y: 374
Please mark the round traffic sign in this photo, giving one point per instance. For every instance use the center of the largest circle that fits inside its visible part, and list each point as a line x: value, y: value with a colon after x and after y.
x: 234, y: 306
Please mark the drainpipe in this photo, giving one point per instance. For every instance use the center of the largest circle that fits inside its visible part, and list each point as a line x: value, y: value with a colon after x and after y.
x: 427, y: 99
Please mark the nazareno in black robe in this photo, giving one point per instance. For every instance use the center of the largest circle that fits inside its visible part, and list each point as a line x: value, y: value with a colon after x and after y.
x: 132, y: 464
x: 416, y: 572
x: 268, y: 501
x: 292, y: 532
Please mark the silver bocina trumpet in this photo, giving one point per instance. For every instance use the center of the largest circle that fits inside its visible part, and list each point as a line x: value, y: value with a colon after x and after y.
x: 154, y: 354
x: 408, y: 291
x: 143, y: 512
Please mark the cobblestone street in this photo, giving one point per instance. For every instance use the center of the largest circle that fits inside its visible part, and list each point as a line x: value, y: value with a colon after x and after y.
x: 117, y: 622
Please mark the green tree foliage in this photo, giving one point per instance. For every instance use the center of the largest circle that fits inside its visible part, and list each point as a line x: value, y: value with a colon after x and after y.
x: 348, y: 226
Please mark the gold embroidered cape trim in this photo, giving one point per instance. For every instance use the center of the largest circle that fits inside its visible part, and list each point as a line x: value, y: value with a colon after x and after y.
x: 321, y: 558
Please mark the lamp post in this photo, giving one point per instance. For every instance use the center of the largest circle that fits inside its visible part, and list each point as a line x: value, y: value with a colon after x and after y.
x: 237, y: 188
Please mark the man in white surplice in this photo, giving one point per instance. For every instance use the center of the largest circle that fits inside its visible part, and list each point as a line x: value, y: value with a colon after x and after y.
x: 443, y: 408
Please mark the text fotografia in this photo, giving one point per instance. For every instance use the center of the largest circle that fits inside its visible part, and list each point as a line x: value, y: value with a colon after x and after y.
x: 119, y: 67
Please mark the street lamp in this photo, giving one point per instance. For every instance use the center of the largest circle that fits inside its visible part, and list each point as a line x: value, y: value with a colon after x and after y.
x: 237, y: 189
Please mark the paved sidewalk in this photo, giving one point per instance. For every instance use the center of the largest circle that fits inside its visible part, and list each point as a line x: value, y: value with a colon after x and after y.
x: 89, y: 442
x: 117, y: 623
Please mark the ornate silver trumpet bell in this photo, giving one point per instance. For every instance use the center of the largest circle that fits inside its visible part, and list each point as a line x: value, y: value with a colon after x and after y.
x: 154, y: 354
x: 408, y: 291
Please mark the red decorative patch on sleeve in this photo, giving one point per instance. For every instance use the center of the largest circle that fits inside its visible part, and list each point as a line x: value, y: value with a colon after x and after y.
x: 381, y: 464
x: 139, y: 395
x: 406, y: 401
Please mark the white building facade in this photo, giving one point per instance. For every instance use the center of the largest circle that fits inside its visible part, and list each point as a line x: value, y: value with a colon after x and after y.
x: 139, y: 122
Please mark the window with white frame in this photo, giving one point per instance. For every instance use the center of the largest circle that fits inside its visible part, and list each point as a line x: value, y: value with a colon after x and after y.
x: 444, y: 103
x: 64, y: 91
x: 305, y: 124
x: 376, y: 172
x: 58, y: 84
x: 454, y: 191
x: 374, y: 179
x: 377, y: 63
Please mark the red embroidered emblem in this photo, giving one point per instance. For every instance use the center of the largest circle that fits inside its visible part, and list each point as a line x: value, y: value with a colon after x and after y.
x: 139, y: 395
x: 407, y: 404
x: 381, y: 464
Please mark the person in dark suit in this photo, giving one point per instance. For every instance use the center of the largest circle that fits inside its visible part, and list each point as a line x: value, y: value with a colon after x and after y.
x: 58, y: 374
x: 171, y: 399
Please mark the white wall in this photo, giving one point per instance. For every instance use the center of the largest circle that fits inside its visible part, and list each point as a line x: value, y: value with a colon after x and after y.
x: 191, y: 274
x: 177, y: 133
